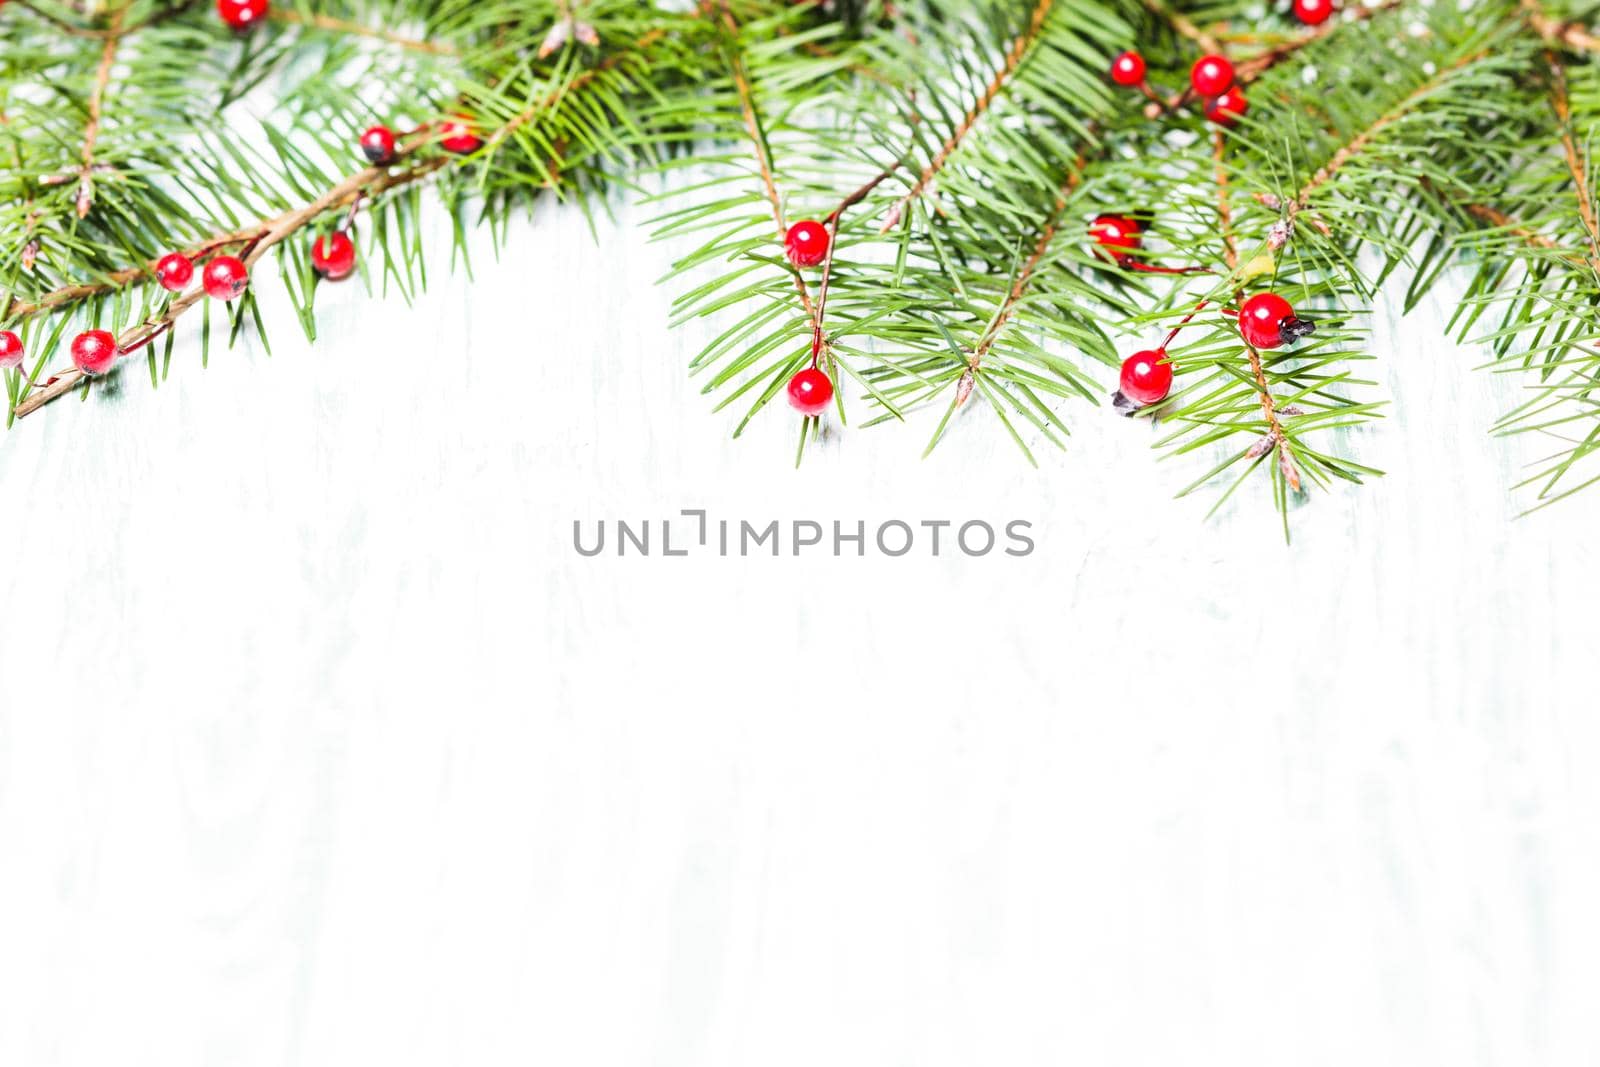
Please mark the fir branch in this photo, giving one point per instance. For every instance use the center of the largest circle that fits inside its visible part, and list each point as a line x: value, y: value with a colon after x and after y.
x: 270, y: 232
x: 1013, y: 60
x: 763, y: 153
x: 1019, y: 287
x: 1249, y: 69
x: 1577, y: 165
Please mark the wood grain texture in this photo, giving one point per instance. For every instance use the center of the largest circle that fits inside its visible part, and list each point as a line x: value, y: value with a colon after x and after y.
x: 319, y: 745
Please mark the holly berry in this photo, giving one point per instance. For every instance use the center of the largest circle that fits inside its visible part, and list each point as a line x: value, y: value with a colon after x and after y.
x: 1313, y: 12
x: 810, y: 392
x: 1128, y: 69
x: 377, y: 144
x: 242, y: 14
x: 1211, y: 75
x: 1266, y: 321
x: 1117, y: 235
x: 456, y: 135
x: 174, y: 271
x: 1147, y: 377
x: 806, y: 243
x: 94, y: 351
x: 225, y: 277
x: 333, y: 256
x: 1228, y: 108
x: 10, y: 350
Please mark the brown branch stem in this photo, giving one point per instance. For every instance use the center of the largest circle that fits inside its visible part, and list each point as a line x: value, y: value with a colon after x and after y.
x: 355, y: 29
x: 1577, y: 165
x: 91, y: 130
x: 1258, y: 370
x: 1570, y: 35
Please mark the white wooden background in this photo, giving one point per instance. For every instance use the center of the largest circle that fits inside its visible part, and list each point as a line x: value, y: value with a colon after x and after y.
x: 319, y: 745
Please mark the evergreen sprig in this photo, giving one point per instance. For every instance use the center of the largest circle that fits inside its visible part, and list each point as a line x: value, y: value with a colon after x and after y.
x: 956, y: 151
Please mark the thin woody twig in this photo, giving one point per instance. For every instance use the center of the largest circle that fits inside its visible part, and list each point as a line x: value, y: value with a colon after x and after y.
x: 1571, y: 35
x: 91, y: 131
x: 1183, y: 27
x: 328, y: 22
x: 1258, y: 371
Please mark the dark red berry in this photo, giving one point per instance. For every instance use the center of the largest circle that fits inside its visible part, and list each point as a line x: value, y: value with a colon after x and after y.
x: 242, y: 14
x: 10, y: 350
x: 1211, y: 76
x: 810, y: 392
x: 174, y: 271
x: 1266, y: 321
x: 333, y: 256
x: 377, y: 144
x: 1313, y: 12
x: 806, y: 243
x: 1116, y: 234
x: 456, y: 135
x: 1228, y: 108
x: 1147, y: 377
x: 94, y: 351
x: 1128, y: 69
x: 225, y: 277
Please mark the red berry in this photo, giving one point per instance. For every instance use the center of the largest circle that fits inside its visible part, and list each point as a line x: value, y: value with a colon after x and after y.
x: 225, y: 277
x: 810, y: 392
x: 456, y: 135
x: 1313, y: 12
x: 806, y: 243
x: 242, y: 14
x: 93, y: 351
x: 1116, y: 234
x: 1266, y: 321
x: 10, y: 350
x: 1228, y: 108
x: 1147, y: 377
x: 1128, y: 69
x: 1211, y: 76
x: 333, y: 256
x: 377, y: 144
x: 173, y: 271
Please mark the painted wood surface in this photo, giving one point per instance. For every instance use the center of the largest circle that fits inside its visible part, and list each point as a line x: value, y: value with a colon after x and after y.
x: 319, y: 744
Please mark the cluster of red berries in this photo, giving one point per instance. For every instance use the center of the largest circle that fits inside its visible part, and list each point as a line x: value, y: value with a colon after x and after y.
x: 1266, y: 320
x: 1211, y: 78
x: 224, y: 277
x: 806, y: 244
